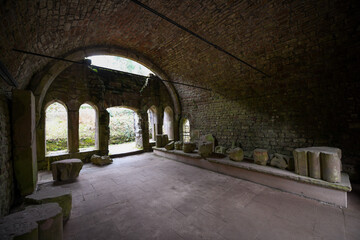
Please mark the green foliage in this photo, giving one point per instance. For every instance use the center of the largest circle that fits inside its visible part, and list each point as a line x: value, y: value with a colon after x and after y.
x: 121, y: 125
x: 56, y: 144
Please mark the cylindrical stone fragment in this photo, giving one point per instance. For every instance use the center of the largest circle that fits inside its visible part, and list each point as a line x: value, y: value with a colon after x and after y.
x: 261, y: 156
x: 158, y: 140
x: 300, y: 160
x: 314, y: 164
x: 330, y: 167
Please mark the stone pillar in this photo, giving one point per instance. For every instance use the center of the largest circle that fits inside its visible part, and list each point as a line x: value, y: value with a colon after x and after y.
x: 73, y: 131
x: 176, y: 128
x: 144, y: 124
x: 104, y: 132
x: 24, y: 140
x: 160, y: 120
x: 40, y: 142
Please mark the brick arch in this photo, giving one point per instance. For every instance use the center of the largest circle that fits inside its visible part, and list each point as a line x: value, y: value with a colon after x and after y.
x: 43, y: 81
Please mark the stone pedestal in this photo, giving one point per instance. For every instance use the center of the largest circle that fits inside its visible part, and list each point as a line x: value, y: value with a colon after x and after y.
x: 24, y: 140
x: 58, y: 195
x: 38, y: 222
x: 314, y: 164
x: 261, y: 156
x: 65, y: 170
x: 330, y: 167
x: 205, y: 148
x: 300, y: 161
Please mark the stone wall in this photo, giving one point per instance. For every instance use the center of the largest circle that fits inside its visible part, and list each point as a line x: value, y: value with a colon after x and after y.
x: 6, y: 168
x: 103, y: 89
x: 281, y: 121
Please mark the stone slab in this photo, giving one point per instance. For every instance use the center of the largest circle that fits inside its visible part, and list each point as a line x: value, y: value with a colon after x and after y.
x: 58, y: 195
x: 332, y: 193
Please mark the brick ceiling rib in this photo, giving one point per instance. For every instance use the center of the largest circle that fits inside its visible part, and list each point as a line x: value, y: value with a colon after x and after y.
x: 293, y: 41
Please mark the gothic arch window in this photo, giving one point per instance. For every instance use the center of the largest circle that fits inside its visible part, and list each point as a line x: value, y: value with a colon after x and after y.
x: 186, y: 130
x: 56, y: 128
x: 88, y: 127
x: 152, y: 119
x: 168, y: 123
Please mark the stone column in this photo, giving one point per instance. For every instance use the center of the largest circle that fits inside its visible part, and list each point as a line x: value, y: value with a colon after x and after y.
x: 144, y: 124
x: 104, y: 132
x: 73, y: 131
x: 160, y: 120
x: 24, y: 140
x: 176, y: 128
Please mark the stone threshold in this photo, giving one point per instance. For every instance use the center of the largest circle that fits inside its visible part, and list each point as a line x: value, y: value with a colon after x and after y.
x: 331, y: 193
x: 125, y: 154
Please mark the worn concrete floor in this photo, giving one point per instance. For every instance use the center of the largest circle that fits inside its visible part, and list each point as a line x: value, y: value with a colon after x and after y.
x: 149, y: 197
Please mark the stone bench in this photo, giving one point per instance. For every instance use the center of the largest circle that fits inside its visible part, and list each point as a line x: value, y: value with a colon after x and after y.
x: 39, y: 222
x: 67, y: 169
x: 58, y: 195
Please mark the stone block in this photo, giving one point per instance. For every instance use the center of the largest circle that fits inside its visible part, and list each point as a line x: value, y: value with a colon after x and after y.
x: 261, y: 156
x: 236, y: 154
x: 330, y: 166
x: 300, y: 161
x: 38, y: 222
x: 58, y: 195
x: 314, y: 163
x: 24, y: 140
x: 100, y: 160
x: 178, y: 145
x: 170, y: 146
x: 49, y: 219
x: 67, y: 169
x: 159, y: 140
x: 279, y: 161
x: 189, y: 147
x: 208, y: 138
x: 205, y: 149
x: 165, y: 140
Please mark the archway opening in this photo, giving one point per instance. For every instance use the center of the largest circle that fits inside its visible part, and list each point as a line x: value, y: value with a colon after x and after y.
x: 56, y: 129
x: 88, y: 131
x: 120, y: 64
x: 168, y: 123
x: 122, y: 128
x: 152, y: 120
x: 186, y: 130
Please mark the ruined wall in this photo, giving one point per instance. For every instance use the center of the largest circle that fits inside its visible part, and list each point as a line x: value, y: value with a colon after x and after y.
x: 102, y: 88
x: 281, y: 121
x: 6, y: 169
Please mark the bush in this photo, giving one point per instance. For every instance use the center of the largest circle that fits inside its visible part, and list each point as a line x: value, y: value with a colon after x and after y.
x: 56, y: 144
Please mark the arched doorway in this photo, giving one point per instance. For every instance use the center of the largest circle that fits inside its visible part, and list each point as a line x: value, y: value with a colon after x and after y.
x: 123, y: 130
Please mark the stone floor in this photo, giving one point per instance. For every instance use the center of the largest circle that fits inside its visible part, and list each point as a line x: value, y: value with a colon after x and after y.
x: 150, y: 197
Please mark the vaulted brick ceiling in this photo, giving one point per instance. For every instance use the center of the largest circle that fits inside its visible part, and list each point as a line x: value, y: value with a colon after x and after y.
x: 293, y: 41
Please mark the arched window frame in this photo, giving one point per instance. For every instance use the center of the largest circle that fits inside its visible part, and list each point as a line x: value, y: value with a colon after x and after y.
x: 96, y: 123
x: 168, y: 122
x: 67, y: 122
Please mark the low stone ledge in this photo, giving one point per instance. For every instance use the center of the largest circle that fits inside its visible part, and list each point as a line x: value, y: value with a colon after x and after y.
x: 333, y: 193
x: 58, y: 195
